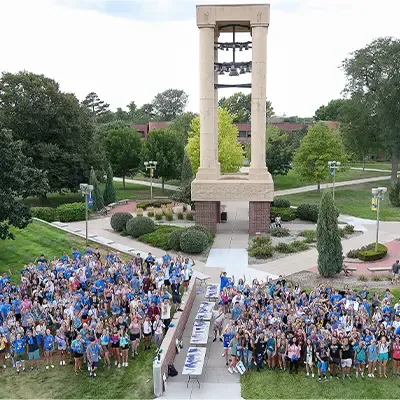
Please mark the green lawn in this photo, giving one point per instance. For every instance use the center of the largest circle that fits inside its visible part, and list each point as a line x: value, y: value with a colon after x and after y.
x: 292, y: 180
x: 132, y: 382
x: 132, y: 191
x: 353, y: 200
x: 141, y: 177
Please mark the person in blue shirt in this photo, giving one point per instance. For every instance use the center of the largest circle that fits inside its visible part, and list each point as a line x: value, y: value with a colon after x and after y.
x: 236, y: 311
x: 88, y: 250
x: 78, y: 350
x: 19, y: 352
x: 360, y: 357
x: 105, y: 341
x: 93, y: 354
x: 227, y: 336
x: 48, y: 346
x: 223, y: 281
x: 76, y: 254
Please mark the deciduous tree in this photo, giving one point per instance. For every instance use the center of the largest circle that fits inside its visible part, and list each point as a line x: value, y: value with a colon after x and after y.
x: 181, y: 125
x: 333, y: 111
x: 320, y: 145
x: 19, y: 178
x: 230, y: 152
x: 169, y: 104
x: 279, y: 151
x: 329, y: 245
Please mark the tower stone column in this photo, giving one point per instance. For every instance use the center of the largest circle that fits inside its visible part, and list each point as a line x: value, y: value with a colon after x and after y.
x: 216, y: 36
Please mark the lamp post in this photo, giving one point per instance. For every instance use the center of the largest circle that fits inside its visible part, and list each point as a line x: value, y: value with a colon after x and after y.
x: 379, y: 194
x: 86, y: 190
x: 151, y: 165
x: 333, y: 166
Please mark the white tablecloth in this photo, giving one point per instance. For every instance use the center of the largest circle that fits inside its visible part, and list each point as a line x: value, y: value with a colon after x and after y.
x: 205, y: 316
x: 194, y: 361
x: 212, y: 291
x: 206, y: 306
x: 200, y: 332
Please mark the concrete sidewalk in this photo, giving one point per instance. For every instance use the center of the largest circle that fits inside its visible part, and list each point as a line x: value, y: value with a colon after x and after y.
x: 215, y: 382
x: 147, y: 183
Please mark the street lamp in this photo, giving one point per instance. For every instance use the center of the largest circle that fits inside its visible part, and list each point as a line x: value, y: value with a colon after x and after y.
x: 333, y: 166
x: 151, y: 165
x: 86, y: 191
x: 379, y: 194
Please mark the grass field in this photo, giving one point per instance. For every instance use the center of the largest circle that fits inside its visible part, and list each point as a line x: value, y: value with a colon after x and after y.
x: 141, y: 177
x: 353, y: 200
x: 292, y: 180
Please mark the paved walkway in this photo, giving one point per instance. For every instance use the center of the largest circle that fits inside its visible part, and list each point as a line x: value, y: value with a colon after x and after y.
x: 371, y: 169
x: 147, y: 183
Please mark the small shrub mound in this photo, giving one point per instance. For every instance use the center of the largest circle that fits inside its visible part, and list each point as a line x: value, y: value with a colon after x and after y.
x: 119, y: 220
x: 139, y: 226
x: 174, y: 239
x: 279, y: 232
x: 193, y: 241
x: 48, y: 214
x: 160, y: 237
x: 368, y: 253
x: 210, y: 235
x: 362, y: 278
x: 286, y: 214
x: 155, y: 204
x: 307, y: 212
x: 281, y: 202
x: 180, y: 215
x: 261, y: 247
x: 189, y: 217
x: 346, y: 230
x: 293, y: 247
x: 71, y: 212
x: 310, y: 236
x: 159, y: 217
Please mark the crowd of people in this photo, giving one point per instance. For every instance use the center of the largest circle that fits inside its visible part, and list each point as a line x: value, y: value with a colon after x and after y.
x: 331, y: 332
x: 84, y: 307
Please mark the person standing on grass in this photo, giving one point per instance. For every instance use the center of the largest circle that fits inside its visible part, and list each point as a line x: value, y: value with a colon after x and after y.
x: 3, y: 349
x: 33, y: 350
x: 93, y: 353
x: 147, y: 330
x: 395, y: 272
x: 19, y: 352
x: 322, y: 357
x: 383, y: 355
x: 61, y: 341
x: 372, y: 351
x: 48, y: 345
x: 158, y: 326
x: 260, y: 346
x: 360, y: 358
x: 310, y: 358
x: 346, y: 355
x: 293, y: 353
x: 271, y: 350
x: 114, y: 339
x: 334, y: 357
x: 77, y: 348
x: 105, y: 342
x: 124, y: 345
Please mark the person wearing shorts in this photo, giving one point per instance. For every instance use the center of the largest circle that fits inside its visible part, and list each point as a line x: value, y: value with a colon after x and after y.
x: 93, y: 353
x: 372, y: 350
x: 134, y: 335
x: 310, y: 357
x: 114, y: 339
x: 383, y: 355
x: 147, y: 331
x: 19, y: 353
x: 334, y: 357
x: 3, y: 349
x: 395, y: 272
x: 227, y: 336
x: 105, y: 341
x: 396, y: 356
x: 360, y: 357
x: 77, y: 347
x: 124, y: 346
x: 346, y: 355
x: 33, y: 349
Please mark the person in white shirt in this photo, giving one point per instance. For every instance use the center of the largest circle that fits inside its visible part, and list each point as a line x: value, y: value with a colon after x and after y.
x: 147, y: 332
x: 166, y: 313
x: 219, y: 317
x: 158, y: 326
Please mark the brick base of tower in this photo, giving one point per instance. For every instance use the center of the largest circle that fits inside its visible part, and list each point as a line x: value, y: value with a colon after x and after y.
x: 259, y: 216
x: 208, y: 214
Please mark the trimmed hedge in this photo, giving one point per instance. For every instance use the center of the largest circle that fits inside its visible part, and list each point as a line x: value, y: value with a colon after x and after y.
x: 293, y: 247
x: 286, y: 214
x: 119, y: 220
x: 307, y: 212
x: 71, y: 212
x: 139, y: 226
x: 174, y: 239
x: 281, y: 202
x: 155, y: 204
x: 160, y: 237
x: 210, y: 235
x: 48, y: 214
x: 279, y: 232
x: 193, y: 241
x: 368, y: 253
x: 261, y: 247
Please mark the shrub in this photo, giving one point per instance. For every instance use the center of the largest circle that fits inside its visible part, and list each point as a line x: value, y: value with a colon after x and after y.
x: 387, y: 277
x: 352, y: 254
x: 189, y: 216
x: 139, y: 226
x: 310, y: 236
x: 369, y: 253
x: 193, y: 241
x: 119, y: 220
x: 71, y: 212
x: 169, y: 217
x: 287, y: 214
x: 261, y: 252
x: 174, y: 239
x: 180, y: 215
x: 300, y: 245
x: 261, y: 241
x: 284, y: 248
x: 155, y: 204
x: 150, y: 213
x: 279, y: 232
x: 307, y: 212
x: 377, y: 278
x: 139, y: 212
x: 362, y: 278
x: 281, y: 202
x: 160, y: 237
x: 48, y: 214
x: 348, y: 229
x: 394, y: 194
x: 159, y: 217
x: 210, y: 235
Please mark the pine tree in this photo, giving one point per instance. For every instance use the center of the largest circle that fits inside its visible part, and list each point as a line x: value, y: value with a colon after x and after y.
x: 109, y: 194
x: 98, y: 202
x: 186, y: 172
x: 329, y: 244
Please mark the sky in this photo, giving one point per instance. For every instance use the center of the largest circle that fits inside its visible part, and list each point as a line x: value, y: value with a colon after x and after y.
x: 130, y: 50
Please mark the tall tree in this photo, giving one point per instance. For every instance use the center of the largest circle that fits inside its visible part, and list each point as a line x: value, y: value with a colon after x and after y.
x: 98, y: 201
x: 168, y: 150
x: 19, y: 178
x: 320, y: 145
x: 95, y: 106
x: 239, y: 106
x: 373, y: 78
x: 181, y: 125
x: 279, y: 151
x: 170, y: 104
x: 230, y: 152
x: 329, y: 245
x: 109, y: 195
x: 55, y: 128
x: 186, y: 172
x: 333, y: 111
x: 123, y: 147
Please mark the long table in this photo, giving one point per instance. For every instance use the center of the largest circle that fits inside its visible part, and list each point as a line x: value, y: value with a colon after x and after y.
x: 194, y: 363
x: 205, y: 310
x: 200, y: 333
x: 212, y: 291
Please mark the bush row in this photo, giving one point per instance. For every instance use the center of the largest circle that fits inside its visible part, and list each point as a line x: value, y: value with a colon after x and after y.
x: 368, y: 253
x: 65, y: 212
x: 155, y: 204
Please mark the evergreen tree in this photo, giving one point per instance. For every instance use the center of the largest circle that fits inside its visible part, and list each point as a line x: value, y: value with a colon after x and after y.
x: 186, y: 172
x: 98, y: 202
x: 329, y: 244
x: 109, y: 194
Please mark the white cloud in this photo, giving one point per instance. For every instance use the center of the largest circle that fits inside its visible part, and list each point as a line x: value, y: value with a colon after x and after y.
x: 122, y: 59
